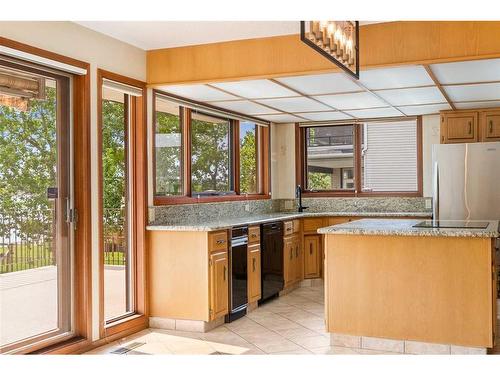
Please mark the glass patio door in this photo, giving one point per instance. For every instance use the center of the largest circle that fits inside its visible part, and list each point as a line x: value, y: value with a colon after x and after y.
x: 35, y: 251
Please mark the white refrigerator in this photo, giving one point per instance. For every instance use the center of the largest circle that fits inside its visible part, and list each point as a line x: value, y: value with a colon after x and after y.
x: 466, y: 181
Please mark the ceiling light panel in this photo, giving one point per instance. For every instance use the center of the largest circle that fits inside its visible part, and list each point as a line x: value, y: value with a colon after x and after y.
x: 375, y: 112
x: 391, y: 78
x: 299, y: 104
x: 321, y: 83
x: 421, y: 95
x: 259, y: 88
x: 325, y: 116
x: 351, y: 101
x: 416, y: 110
x: 244, y: 106
x: 467, y: 71
x: 198, y: 92
x: 472, y: 105
x: 281, y: 118
x: 480, y: 92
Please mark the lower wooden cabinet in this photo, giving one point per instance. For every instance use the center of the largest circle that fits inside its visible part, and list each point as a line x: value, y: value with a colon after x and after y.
x: 218, y: 262
x: 312, y: 256
x: 292, y: 259
x: 254, y: 283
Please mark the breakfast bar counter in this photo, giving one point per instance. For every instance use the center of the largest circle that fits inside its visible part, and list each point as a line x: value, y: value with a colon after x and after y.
x: 391, y: 284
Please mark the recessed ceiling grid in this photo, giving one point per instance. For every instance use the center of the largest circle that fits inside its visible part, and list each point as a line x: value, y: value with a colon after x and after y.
x: 387, y: 92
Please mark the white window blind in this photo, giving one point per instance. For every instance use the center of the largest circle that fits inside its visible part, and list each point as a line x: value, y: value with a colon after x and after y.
x: 389, y: 156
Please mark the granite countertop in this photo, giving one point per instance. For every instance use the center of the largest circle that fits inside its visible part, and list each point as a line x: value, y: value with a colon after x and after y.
x: 253, y: 219
x: 392, y: 227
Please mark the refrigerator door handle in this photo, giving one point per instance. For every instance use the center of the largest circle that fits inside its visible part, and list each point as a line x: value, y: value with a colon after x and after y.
x: 435, y: 193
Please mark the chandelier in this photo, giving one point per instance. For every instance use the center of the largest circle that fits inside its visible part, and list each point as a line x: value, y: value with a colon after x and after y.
x: 338, y: 41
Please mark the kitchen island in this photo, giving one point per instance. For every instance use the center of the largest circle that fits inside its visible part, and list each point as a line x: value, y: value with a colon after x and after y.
x: 393, y: 286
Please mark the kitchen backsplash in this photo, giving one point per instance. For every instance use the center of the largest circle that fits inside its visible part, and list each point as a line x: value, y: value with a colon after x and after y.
x: 224, y: 210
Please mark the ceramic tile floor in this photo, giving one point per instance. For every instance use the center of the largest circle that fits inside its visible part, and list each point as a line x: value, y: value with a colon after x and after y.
x: 291, y: 324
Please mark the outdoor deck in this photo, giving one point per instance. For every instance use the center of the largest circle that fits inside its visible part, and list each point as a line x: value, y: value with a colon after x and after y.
x: 28, y: 300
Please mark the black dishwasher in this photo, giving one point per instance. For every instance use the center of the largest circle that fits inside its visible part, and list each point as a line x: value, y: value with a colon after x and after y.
x: 271, y: 260
x: 238, y: 284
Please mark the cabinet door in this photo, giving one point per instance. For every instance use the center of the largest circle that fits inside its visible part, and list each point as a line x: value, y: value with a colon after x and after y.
x: 288, y: 260
x: 311, y: 256
x: 459, y: 127
x: 491, y: 126
x: 298, y: 259
x: 254, y: 273
x: 218, y: 284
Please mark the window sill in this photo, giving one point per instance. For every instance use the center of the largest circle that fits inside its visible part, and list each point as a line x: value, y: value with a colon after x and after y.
x: 164, y: 201
x: 366, y: 194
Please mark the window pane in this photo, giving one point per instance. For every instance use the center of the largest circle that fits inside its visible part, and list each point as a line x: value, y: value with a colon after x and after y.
x: 330, y: 157
x: 117, y: 252
x: 210, y: 154
x: 389, y: 156
x: 168, y: 149
x: 249, y: 155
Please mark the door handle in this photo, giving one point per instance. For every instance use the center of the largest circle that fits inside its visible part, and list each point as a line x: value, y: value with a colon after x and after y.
x: 310, y: 248
x: 491, y: 127
x: 470, y: 127
x: 225, y: 273
x: 253, y: 264
x: 296, y: 251
x: 291, y: 254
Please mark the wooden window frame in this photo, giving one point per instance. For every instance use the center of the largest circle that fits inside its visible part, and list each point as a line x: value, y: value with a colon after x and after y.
x: 300, y: 167
x: 82, y: 325
x: 138, y: 319
x: 263, y: 140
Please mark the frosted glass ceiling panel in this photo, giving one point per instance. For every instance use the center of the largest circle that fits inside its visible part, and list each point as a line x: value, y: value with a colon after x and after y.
x: 244, y: 106
x: 260, y: 88
x: 325, y: 116
x: 300, y: 104
x: 375, y: 112
x: 485, y: 91
x: 198, y: 92
x: 352, y: 101
x: 281, y: 118
x: 406, y: 76
x: 321, y: 83
x: 467, y: 71
x: 422, y: 95
x: 470, y: 105
x: 415, y: 110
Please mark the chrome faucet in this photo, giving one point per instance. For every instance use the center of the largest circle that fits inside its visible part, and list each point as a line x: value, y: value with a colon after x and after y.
x: 298, y: 195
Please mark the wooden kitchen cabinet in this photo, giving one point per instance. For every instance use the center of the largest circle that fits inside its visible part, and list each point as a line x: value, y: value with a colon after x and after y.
x: 218, y: 284
x: 459, y: 127
x: 288, y: 261
x: 254, y: 282
x: 312, y: 256
x: 292, y: 254
x: 490, y: 126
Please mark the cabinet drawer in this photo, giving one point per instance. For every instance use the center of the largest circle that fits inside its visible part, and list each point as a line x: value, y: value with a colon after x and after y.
x: 254, y: 234
x: 312, y: 224
x: 217, y: 240
x: 288, y: 228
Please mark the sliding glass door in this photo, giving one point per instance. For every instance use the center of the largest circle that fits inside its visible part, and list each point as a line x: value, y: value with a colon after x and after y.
x: 35, y: 206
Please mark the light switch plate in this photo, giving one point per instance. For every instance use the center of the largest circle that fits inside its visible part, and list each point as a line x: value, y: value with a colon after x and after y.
x: 428, y: 202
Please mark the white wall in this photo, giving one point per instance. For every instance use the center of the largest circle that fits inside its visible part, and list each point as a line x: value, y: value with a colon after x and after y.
x: 100, y: 51
x: 283, y: 161
x: 283, y: 157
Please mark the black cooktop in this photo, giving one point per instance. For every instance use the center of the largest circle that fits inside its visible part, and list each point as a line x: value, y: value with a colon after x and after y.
x: 452, y: 224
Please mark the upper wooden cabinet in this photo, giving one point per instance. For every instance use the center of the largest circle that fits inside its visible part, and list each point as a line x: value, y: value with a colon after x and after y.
x: 459, y: 127
x: 482, y: 125
x: 490, y: 130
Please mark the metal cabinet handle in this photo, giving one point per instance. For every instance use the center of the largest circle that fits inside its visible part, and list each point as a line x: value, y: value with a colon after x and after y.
x: 253, y: 264
x: 491, y: 127
x: 310, y: 248
x: 225, y: 273
x: 296, y: 251
x: 219, y: 242
x: 470, y: 127
x: 291, y: 254
x: 254, y: 235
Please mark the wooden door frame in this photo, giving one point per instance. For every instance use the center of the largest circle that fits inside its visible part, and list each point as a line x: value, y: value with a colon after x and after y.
x: 82, y: 290
x: 138, y: 148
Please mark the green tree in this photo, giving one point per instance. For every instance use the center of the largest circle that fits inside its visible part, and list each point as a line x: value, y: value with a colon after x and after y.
x: 248, y: 162
x: 319, y: 181
x: 28, y: 153
x: 168, y: 167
